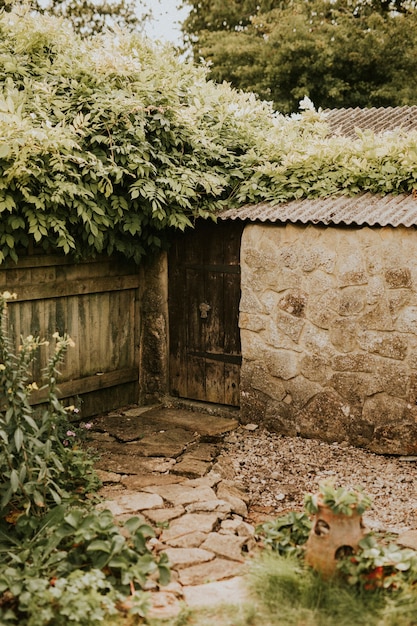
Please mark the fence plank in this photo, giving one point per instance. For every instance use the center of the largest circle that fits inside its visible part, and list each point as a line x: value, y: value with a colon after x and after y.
x: 96, y: 303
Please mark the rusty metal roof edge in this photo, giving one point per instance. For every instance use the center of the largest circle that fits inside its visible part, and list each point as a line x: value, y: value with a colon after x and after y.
x: 365, y: 209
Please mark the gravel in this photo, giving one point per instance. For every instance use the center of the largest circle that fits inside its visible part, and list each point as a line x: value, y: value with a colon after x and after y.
x: 277, y: 471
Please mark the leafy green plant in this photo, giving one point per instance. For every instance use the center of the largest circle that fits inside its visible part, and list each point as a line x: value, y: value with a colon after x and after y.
x: 37, y: 468
x: 62, y: 561
x: 338, y: 499
x: 286, y: 534
x: 107, y: 144
x: 380, y: 566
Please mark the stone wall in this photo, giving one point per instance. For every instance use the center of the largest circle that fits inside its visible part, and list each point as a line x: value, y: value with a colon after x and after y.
x: 328, y: 321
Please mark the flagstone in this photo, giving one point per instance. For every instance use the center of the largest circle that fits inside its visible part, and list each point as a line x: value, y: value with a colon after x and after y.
x: 188, y: 523
x: 187, y: 557
x: 217, y: 569
x: 181, y: 493
x: 227, y: 546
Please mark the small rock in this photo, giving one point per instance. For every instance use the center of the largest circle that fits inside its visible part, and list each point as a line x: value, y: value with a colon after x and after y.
x: 251, y: 427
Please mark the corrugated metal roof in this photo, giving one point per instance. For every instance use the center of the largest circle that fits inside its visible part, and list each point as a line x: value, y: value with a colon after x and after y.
x: 377, y: 119
x: 364, y: 209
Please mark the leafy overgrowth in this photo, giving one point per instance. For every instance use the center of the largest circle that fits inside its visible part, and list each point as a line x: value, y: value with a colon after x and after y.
x: 62, y: 561
x: 108, y: 143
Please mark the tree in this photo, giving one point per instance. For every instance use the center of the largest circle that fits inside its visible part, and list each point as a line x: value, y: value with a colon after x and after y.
x: 339, y: 54
x: 89, y: 17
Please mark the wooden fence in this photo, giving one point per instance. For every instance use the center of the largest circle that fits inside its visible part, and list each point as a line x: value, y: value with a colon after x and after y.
x: 97, y: 304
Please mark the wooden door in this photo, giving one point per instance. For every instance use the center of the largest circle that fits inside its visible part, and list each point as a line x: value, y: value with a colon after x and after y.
x: 204, y: 294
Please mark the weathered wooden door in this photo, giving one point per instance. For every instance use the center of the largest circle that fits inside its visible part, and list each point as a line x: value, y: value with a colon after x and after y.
x: 204, y: 294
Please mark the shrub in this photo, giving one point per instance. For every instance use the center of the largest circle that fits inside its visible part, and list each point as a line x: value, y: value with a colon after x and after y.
x: 62, y: 561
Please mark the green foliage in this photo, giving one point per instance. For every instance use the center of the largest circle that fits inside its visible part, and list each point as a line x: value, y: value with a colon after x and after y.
x: 62, y: 561
x: 338, y: 499
x: 107, y: 144
x: 286, y: 534
x: 287, y: 593
x: 35, y: 465
x: 374, y: 587
x: 339, y: 54
x: 380, y: 566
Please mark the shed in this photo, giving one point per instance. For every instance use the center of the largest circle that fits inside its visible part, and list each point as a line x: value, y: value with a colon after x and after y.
x: 304, y: 313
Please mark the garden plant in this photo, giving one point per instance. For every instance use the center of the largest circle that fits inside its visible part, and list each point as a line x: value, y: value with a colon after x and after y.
x: 62, y: 560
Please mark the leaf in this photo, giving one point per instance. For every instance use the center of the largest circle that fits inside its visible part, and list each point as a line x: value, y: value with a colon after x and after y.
x: 99, y: 545
x: 14, y: 480
x: 18, y: 438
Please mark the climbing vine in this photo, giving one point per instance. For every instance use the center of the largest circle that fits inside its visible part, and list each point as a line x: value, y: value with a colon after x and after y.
x: 108, y: 143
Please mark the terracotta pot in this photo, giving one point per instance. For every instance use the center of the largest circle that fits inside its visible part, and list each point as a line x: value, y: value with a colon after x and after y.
x: 332, y: 536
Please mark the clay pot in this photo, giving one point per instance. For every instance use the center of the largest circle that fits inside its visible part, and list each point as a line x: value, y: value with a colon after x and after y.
x: 332, y: 536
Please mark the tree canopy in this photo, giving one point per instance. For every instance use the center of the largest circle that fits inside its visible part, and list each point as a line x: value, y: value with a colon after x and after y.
x: 89, y: 17
x: 339, y: 54
x: 108, y: 143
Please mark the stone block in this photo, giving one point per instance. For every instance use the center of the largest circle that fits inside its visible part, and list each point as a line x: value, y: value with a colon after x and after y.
x: 294, y: 303
x: 342, y: 334
x: 355, y: 362
x: 325, y: 417
x: 352, y: 301
x: 378, y: 317
x: 315, y: 368
x: 289, y: 324
x: 390, y: 345
x: 355, y: 387
x: 407, y: 320
x: 398, y: 277
x: 282, y: 363
x: 269, y: 385
x: 300, y: 390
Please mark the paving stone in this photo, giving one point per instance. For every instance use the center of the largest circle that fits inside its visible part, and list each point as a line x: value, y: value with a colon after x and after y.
x: 232, y: 488
x: 233, y: 495
x: 180, y: 558
x: 227, y: 546
x: 237, y: 527
x: 158, y: 516
x: 203, y: 451
x: 231, y: 591
x: 191, y: 467
x: 209, y: 480
x: 133, y: 501
x: 189, y: 523
x: 190, y: 540
x: 125, y: 464
x: 217, y: 569
x: 164, y: 605
x: 138, y: 481
x: 137, y: 423
x: 408, y: 539
x: 221, y: 507
x: 181, y: 493
x: 169, y: 443
x: 108, y: 477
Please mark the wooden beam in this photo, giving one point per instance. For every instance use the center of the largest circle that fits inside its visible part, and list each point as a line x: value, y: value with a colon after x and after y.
x: 78, y: 387
x: 74, y: 288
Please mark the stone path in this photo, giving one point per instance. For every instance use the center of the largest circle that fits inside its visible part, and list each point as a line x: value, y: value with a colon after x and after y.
x: 160, y: 464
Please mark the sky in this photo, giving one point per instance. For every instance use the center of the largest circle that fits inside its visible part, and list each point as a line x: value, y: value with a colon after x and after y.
x: 165, y: 25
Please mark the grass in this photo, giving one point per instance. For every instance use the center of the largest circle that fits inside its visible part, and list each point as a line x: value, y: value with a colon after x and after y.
x: 282, y: 592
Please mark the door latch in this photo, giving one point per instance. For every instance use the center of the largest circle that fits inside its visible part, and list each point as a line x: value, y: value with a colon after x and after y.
x: 204, y: 308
